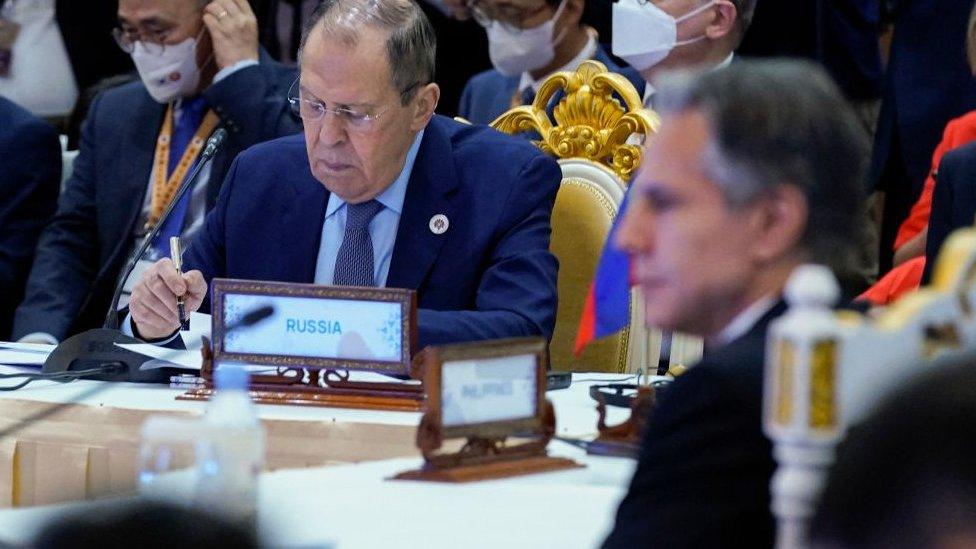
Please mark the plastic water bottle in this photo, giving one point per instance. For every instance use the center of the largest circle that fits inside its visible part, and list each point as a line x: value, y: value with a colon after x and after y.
x: 231, y: 454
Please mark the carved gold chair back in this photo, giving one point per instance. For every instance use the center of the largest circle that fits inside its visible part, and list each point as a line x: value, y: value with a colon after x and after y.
x: 595, y: 131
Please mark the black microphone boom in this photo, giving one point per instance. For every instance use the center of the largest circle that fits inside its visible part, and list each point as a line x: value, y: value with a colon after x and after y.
x: 97, y: 347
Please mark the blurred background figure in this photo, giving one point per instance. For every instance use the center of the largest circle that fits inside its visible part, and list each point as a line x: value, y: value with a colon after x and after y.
x: 52, y: 50
x: 529, y: 40
x: 906, y: 477
x: 146, y: 526
x: 280, y: 25
x: 30, y: 176
x: 928, y: 82
x: 921, y: 234
x: 841, y: 35
x: 657, y: 35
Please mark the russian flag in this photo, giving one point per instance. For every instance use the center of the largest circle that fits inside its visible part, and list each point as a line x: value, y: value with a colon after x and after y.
x: 607, y: 307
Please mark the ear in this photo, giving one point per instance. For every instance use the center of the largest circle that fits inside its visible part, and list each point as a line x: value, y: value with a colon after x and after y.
x: 779, y: 222
x: 424, y: 104
x: 723, y: 23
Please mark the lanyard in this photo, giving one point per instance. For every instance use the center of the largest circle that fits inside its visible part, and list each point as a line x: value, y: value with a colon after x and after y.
x: 163, y: 187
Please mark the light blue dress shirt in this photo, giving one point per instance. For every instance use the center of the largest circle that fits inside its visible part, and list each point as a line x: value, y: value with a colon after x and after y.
x: 382, y: 229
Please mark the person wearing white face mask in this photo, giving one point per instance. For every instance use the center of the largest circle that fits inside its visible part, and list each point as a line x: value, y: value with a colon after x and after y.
x: 527, y: 41
x: 200, y: 69
x: 654, y: 35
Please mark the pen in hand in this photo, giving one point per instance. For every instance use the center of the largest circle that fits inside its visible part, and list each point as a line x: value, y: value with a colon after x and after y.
x: 176, y: 254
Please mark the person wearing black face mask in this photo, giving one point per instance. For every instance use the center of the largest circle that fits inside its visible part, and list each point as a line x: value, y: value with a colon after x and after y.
x: 200, y: 68
x: 527, y: 41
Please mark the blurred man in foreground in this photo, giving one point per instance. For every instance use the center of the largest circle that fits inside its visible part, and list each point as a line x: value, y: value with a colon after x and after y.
x: 755, y: 171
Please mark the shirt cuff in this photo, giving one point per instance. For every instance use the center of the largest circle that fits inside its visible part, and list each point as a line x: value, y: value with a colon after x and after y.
x: 227, y: 71
x: 126, y: 329
x: 39, y: 337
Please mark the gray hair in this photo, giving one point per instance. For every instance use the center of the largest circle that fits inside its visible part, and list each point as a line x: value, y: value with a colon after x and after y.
x: 779, y: 122
x: 410, y: 48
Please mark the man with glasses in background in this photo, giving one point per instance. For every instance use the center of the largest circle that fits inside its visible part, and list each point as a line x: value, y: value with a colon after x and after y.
x: 528, y: 40
x: 379, y: 192
x: 200, y: 68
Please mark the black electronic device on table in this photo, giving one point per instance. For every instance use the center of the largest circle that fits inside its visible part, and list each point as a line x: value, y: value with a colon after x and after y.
x: 558, y: 380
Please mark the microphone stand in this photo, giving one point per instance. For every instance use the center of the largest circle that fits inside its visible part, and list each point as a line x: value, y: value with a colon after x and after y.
x: 96, y: 347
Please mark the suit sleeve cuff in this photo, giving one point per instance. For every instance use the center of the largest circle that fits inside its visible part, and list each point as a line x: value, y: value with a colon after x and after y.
x: 227, y: 71
x: 129, y: 329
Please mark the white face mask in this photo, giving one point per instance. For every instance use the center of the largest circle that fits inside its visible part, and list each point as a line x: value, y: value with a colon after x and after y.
x: 170, y: 74
x: 515, y: 52
x: 643, y: 34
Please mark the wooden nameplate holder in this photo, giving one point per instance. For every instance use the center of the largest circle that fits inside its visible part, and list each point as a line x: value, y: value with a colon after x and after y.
x: 621, y: 440
x: 294, y: 371
x: 487, y: 393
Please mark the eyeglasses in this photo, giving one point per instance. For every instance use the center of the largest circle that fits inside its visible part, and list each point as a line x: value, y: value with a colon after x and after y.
x: 510, y: 17
x: 314, y: 110
x: 153, y: 41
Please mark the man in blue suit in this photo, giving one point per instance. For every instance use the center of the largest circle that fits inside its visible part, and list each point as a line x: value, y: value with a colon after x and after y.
x: 380, y: 192
x: 527, y: 41
x: 30, y: 172
x: 200, y: 68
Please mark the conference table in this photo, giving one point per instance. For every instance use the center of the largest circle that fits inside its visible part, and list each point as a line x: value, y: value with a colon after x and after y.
x: 330, y: 463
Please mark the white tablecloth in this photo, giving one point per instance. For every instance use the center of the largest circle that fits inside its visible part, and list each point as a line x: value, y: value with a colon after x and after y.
x: 355, y: 506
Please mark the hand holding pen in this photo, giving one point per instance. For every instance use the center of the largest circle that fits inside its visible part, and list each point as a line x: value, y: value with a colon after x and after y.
x: 164, y: 296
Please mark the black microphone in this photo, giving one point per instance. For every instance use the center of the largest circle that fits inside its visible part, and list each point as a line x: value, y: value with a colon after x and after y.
x: 108, y: 371
x: 96, y: 348
x: 215, y: 141
x: 251, y: 318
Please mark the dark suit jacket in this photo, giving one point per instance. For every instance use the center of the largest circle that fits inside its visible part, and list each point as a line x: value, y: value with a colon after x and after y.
x: 86, y: 28
x: 704, y: 468
x: 83, y: 249
x: 30, y: 175
x: 489, y: 94
x: 489, y: 276
x: 841, y: 34
x: 928, y: 83
x: 953, y: 201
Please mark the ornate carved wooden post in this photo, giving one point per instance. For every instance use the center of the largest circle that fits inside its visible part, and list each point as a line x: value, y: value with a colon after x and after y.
x: 801, y: 412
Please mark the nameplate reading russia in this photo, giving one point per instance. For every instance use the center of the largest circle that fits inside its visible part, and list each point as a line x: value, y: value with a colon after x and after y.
x: 315, y: 326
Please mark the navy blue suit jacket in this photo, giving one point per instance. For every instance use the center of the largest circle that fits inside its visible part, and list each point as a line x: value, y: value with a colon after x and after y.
x: 704, y: 467
x: 928, y: 83
x: 83, y: 249
x: 30, y: 175
x: 953, y: 201
x: 490, y: 275
x: 489, y: 94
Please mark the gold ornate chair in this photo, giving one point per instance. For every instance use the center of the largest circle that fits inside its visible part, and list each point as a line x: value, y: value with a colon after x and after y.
x: 589, y: 134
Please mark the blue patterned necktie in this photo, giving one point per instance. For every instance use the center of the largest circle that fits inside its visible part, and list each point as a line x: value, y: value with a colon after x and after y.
x: 354, y: 262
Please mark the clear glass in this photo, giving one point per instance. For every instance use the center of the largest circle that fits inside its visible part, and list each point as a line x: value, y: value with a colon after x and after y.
x: 167, y: 458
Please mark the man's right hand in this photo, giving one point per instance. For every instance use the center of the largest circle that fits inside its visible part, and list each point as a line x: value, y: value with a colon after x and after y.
x: 153, y: 301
